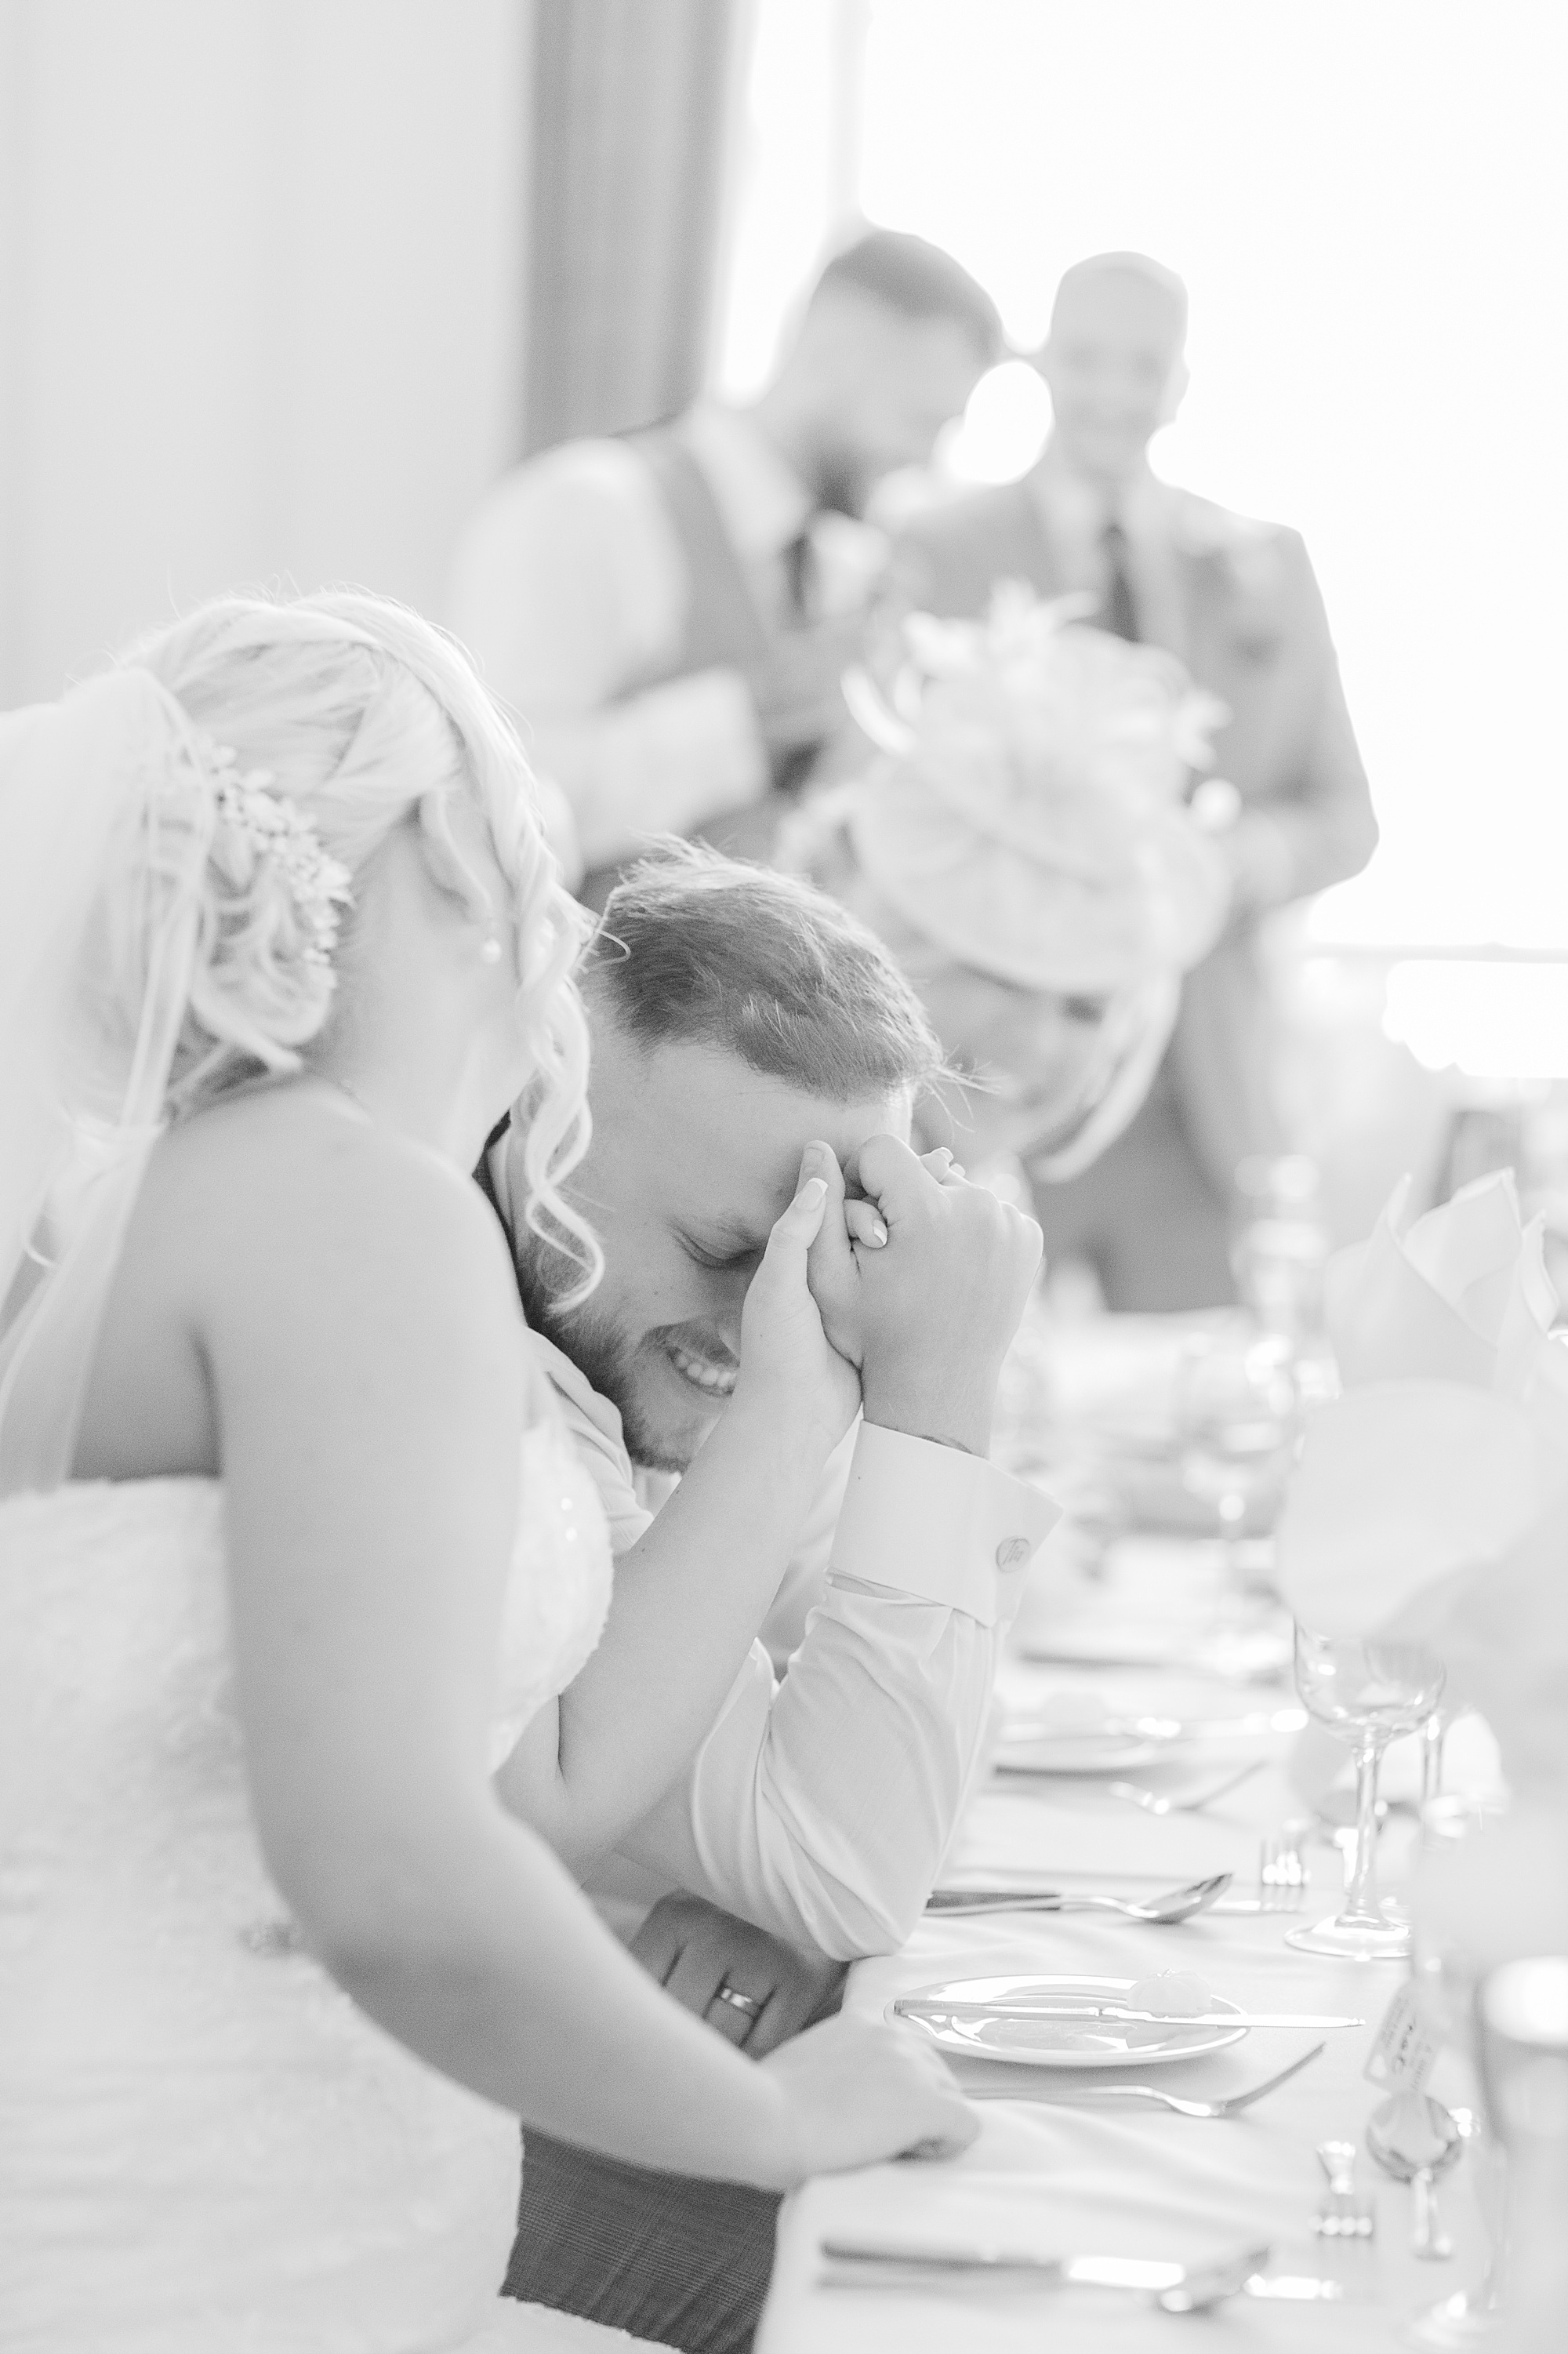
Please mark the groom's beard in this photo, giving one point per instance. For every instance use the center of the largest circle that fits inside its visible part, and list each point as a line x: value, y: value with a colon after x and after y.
x: 615, y: 1365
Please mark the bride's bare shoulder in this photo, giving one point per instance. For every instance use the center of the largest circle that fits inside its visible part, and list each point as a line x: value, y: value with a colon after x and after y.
x: 300, y: 1177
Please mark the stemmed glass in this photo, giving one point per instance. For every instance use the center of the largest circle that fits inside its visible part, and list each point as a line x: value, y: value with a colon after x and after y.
x: 1521, y: 2050
x: 1447, y: 1974
x: 1235, y: 1407
x: 1369, y: 1693
x: 1433, y: 1741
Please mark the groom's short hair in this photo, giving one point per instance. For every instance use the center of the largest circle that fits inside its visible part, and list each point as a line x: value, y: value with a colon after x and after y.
x: 696, y: 946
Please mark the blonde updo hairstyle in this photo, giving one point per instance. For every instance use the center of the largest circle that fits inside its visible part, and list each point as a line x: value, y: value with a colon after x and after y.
x: 368, y: 718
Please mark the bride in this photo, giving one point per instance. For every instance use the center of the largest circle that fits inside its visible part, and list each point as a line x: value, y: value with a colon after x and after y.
x: 291, y: 1552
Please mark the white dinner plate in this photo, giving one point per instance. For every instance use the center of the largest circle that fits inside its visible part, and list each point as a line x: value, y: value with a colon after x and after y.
x: 1060, y: 2044
x: 1071, y: 1752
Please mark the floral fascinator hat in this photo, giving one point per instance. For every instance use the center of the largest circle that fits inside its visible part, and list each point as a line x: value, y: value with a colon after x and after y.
x: 1030, y: 813
x: 1025, y: 847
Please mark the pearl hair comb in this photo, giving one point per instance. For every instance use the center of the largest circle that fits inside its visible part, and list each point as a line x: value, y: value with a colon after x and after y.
x: 283, y: 834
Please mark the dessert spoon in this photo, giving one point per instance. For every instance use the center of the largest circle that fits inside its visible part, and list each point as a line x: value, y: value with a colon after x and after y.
x: 1400, y: 2138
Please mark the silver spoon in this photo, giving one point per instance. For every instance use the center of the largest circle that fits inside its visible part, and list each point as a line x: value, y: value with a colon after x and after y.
x: 1400, y: 2138
x: 1175, y: 1904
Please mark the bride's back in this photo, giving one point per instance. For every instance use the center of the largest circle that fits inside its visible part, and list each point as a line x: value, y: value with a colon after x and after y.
x: 283, y: 1344
x: 216, y: 1198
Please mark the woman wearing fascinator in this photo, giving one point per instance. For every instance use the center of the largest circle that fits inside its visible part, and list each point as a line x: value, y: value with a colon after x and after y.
x: 292, y: 1549
x: 1025, y: 846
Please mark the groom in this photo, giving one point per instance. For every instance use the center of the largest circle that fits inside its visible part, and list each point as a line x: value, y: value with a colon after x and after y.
x: 736, y: 1016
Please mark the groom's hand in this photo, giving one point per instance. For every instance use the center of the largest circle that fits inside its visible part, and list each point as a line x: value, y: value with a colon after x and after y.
x: 928, y: 1315
x: 694, y: 1949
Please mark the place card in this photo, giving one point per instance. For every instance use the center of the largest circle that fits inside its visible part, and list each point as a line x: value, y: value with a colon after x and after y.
x: 1403, y: 2051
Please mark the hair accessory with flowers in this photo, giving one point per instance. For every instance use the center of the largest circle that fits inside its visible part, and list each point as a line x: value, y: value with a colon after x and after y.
x: 283, y: 834
x: 1030, y: 814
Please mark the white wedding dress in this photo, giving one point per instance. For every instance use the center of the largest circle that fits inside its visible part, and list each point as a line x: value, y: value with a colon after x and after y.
x: 203, y: 2146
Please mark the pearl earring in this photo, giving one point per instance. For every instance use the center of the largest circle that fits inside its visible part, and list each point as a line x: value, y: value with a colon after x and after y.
x: 489, y: 949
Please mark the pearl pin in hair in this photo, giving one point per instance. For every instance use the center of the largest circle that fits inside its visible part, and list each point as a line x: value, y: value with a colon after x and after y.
x: 280, y: 833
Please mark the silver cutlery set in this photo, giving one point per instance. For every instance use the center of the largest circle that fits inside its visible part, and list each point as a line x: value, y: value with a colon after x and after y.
x: 1345, y: 2212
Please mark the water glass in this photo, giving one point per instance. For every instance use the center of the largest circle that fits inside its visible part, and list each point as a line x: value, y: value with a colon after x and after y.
x: 1235, y: 1411
x: 1368, y: 1692
x: 1521, y: 2051
x: 1445, y: 1975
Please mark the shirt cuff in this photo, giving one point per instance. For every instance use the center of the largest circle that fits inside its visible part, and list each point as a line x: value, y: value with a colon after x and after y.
x: 938, y: 1525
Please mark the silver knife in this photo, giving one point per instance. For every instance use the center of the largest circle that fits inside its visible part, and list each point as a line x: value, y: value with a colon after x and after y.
x: 1085, y: 2272
x: 866, y: 2262
x: 965, y: 1903
x: 1107, y: 2015
x: 1153, y: 1727
x: 1191, y: 1663
x: 981, y: 1900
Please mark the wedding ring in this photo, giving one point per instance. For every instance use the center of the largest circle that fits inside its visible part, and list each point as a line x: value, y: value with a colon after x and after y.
x: 748, y: 2003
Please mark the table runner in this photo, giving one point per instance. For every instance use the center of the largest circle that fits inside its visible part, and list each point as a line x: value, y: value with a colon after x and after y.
x: 1049, y: 2177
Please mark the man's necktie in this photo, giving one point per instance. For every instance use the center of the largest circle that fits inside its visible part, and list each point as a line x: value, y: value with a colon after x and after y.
x: 800, y: 560
x: 1118, y: 613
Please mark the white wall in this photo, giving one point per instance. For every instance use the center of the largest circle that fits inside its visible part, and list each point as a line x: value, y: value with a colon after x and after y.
x: 260, y: 302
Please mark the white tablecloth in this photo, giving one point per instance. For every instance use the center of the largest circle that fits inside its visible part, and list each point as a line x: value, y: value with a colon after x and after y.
x: 1049, y: 2177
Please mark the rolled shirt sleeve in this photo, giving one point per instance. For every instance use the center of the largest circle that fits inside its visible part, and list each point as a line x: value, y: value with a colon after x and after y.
x: 820, y: 1808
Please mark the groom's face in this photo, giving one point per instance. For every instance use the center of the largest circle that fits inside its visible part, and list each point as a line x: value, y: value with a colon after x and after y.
x: 693, y: 1156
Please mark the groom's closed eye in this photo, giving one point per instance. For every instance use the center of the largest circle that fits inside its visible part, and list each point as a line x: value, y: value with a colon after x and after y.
x: 727, y: 1252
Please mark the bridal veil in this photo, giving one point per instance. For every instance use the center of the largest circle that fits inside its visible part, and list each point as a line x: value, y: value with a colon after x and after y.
x: 105, y: 823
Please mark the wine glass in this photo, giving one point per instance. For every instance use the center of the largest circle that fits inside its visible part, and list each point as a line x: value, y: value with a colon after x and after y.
x: 1446, y: 1972
x: 1368, y: 1693
x: 1434, y: 1745
x: 1235, y: 1408
x: 1521, y: 2053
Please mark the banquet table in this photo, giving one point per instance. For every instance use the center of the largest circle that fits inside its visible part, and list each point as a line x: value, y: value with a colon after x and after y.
x: 1050, y: 2174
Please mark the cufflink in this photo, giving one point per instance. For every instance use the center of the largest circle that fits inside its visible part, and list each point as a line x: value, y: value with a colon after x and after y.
x: 1011, y: 1551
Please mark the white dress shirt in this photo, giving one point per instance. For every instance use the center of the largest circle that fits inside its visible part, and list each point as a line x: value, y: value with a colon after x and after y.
x: 570, y: 587
x: 820, y: 1808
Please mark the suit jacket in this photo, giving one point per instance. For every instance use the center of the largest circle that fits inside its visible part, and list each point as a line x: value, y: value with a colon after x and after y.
x: 1257, y: 636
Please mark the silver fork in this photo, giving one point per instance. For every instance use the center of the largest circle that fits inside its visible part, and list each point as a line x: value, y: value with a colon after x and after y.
x: 1282, y: 1870
x: 1193, y: 1803
x: 1104, y: 2095
x: 1345, y: 2213
x: 1282, y: 1877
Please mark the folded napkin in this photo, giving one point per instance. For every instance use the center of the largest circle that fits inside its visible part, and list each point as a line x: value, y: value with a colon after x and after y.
x: 1431, y: 1500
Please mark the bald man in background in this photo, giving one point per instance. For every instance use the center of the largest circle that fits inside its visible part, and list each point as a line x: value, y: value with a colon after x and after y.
x: 1236, y: 601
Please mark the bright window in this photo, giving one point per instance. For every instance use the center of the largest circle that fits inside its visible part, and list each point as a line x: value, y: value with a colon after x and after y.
x: 1366, y: 202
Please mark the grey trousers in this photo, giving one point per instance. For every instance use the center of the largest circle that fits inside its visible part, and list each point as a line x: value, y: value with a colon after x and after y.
x: 684, y: 2262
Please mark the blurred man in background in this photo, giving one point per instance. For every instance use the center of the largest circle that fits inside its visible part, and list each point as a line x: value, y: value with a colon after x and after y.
x: 672, y: 611
x: 1236, y: 601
